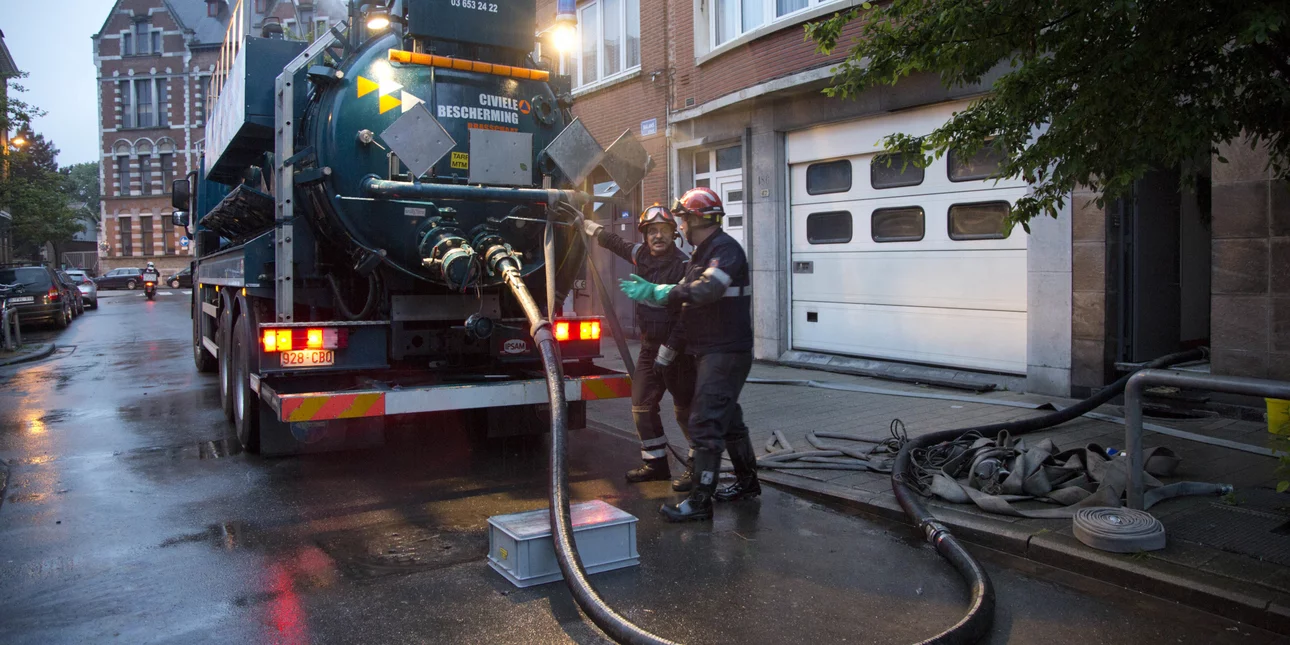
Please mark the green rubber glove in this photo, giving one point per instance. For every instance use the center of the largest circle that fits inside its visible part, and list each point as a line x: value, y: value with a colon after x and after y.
x: 642, y: 290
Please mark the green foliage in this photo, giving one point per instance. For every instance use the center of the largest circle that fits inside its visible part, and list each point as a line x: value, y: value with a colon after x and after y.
x: 1084, y: 92
x: 17, y: 114
x: 81, y: 183
x: 34, y: 192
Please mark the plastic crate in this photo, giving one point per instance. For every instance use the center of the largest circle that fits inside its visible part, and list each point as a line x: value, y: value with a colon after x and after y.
x: 520, y: 546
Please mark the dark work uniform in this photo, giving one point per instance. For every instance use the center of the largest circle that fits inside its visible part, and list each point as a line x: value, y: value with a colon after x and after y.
x: 716, y: 316
x: 658, y: 326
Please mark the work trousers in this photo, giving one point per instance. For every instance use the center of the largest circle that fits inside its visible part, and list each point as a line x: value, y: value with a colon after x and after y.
x: 648, y: 386
x: 715, y: 416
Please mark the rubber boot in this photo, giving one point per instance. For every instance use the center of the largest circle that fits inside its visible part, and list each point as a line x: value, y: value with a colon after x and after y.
x: 744, y: 458
x: 651, y: 471
x: 685, y: 482
x: 698, y: 505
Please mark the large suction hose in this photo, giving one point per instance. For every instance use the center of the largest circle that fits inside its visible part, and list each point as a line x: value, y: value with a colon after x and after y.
x: 566, y: 551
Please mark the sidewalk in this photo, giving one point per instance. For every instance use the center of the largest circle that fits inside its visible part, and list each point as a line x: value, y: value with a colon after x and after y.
x: 1229, y: 556
x: 28, y: 352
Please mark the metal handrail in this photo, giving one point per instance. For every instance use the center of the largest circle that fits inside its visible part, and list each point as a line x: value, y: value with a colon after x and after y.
x: 1210, y: 383
x: 228, y: 51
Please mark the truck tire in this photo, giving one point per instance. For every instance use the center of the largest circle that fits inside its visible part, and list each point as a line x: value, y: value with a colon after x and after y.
x: 223, y: 335
x: 202, y: 358
x: 246, y: 404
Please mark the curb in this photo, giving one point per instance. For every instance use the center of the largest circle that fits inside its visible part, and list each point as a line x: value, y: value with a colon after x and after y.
x: 43, y: 352
x: 1208, y: 592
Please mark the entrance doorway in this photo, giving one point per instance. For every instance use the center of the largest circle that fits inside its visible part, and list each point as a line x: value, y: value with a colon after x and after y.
x: 1158, y: 277
x: 722, y: 171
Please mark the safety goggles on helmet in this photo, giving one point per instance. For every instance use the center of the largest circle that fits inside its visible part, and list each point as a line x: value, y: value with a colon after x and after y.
x: 656, y: 214
x: 700, y: 202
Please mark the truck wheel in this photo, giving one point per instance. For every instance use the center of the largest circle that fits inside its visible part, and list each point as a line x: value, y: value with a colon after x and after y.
x: 223, y: 335
x: 202, y: 358
x: 246, y: 405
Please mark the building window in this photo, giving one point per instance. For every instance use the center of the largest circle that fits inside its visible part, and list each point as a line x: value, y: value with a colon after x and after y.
x: 168, y: 234
x: 730, y: 19
x: 828, y: 177
x: 212, y: 8
x: 167, y: 171
x: 907, y: 224
x: 123, y: 175
x: 980, y: 221
x: 610, y: 32
x: 833, y: 227
x: 123, y: 228
x: 984, y: 164
x: 145, y: 173
x: 127, y: 44
x: 126, y: 89
x: 163, y: 103
x: 261, y: 6
x: 731, y: 158
x: 894, y: 171
x: 143, y: 104
x: 156, y: 42
x: 145, y: 235
x: 142, y: 37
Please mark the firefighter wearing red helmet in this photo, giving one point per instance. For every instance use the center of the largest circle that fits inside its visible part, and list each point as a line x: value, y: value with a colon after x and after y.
x: 716, y: 321
x: 660, y: 366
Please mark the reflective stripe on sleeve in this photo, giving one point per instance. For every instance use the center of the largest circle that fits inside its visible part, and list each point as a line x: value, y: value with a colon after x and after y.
x: 736, y: 292
x: 718, y: 275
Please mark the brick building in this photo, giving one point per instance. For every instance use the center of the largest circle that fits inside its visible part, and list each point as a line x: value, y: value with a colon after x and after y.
x: 155, y: 59
x: 859, y: 264
x: 8, y: 70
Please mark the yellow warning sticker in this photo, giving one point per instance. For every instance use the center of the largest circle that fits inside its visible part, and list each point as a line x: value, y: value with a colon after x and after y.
x: 461, y: 160
x: 389, y: 103
x: 366, y: 86
x: 503, y: 552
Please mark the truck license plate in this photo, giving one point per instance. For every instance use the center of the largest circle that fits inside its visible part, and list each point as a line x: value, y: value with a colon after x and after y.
x: 308, y: 358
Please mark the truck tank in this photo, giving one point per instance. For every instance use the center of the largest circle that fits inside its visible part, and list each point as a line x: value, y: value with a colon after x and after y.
x: 351, y: 124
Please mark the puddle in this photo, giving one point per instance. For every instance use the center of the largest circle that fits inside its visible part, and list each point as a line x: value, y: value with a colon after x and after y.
x: 403, y: 548
x: 228, y: 536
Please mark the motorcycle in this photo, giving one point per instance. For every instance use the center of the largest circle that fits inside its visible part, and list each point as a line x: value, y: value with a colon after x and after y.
x: 150, y: 285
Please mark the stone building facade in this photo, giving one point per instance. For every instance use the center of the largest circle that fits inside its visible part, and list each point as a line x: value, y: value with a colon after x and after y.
x: 155, y: 59
x: 728, y: 95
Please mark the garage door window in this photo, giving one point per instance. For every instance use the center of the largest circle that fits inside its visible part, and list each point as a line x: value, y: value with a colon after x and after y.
x: 981, y: 221
x: 906, y: 224
x: 893, y: 171
x: 831, y: 177
x: 828, y: 228
x: 982, y: 165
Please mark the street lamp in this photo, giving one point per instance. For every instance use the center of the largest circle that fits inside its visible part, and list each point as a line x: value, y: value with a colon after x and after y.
x: 18, y: 141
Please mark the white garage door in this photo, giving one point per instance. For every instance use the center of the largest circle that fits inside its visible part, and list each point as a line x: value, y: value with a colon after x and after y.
x: 900, y: 263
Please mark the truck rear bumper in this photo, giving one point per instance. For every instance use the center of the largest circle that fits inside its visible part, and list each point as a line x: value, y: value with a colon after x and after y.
x: 377, y: 402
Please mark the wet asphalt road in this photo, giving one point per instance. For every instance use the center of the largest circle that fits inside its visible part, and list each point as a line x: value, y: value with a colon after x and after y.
x: 129, y: 516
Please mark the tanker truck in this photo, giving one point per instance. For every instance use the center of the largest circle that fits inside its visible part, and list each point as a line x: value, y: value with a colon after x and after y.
x: 386, y: 222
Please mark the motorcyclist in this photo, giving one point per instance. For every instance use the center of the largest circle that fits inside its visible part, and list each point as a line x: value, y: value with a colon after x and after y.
x: 660, y: 365
x: 716, y: 298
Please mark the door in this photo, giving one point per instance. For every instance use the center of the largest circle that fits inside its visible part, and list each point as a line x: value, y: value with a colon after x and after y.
x: 895, y: 262
x: 731, y: 191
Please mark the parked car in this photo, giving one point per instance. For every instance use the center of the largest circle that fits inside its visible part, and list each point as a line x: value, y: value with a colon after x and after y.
x: 86, y: 285
x: 78, y: 300
x: 181, y: 280
x: 129, y: 278
x: 44, y: 299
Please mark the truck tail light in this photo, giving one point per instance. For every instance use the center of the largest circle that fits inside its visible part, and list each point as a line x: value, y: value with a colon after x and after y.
x: 285, y: 340
x: 562, y: 331
x: 589, y: 330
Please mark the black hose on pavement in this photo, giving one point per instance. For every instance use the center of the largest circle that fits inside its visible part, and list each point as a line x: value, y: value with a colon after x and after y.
x: 977, y: 622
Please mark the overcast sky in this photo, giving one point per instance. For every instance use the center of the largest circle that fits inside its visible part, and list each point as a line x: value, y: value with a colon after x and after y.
x: 51, y: 42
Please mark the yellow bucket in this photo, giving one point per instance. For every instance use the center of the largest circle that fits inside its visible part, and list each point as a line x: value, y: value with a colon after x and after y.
x: 1278, y: 416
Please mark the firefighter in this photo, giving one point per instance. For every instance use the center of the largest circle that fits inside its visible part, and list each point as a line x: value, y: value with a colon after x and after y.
x: 716, y: 317
x: 660, y: 365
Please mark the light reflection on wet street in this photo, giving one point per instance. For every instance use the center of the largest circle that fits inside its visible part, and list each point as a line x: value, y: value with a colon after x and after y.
x: 131, y: 515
